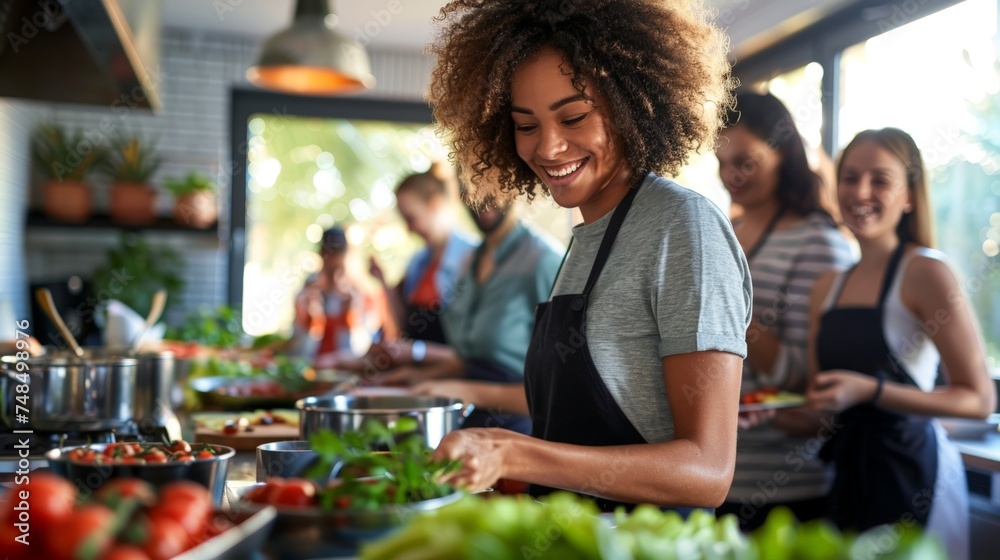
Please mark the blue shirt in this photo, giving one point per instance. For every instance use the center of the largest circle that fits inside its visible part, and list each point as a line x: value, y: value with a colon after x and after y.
x: 494, y: 321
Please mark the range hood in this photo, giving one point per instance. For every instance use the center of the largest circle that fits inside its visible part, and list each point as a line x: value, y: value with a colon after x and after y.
x: 93, y: 52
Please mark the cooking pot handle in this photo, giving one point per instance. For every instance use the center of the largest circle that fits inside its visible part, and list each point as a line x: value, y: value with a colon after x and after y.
x: 469, y: 407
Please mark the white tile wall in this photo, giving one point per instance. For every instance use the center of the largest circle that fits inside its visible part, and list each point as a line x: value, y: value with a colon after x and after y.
x: 16, y: 122
x: 197, y: 73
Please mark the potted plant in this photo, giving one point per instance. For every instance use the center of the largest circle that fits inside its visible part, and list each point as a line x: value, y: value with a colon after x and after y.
x: 195, y: 200
x: 65, y: 160
x: 130, y: 163
x: 134, y: 271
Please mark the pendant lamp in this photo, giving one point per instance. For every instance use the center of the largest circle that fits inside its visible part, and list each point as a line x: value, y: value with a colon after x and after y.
x: 310, y: 58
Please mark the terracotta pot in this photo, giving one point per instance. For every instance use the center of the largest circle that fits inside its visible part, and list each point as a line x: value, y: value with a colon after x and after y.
x: 196, y: 210
x: 133, y: 204
x: 67, y: 201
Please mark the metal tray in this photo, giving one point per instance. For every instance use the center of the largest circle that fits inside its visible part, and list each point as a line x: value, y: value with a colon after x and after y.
x: 241, y: 542
x: 301, y: 533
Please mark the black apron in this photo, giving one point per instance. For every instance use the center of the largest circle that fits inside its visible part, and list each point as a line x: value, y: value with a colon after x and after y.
x: 423, y: 323
x: 886, y: 462
x: 569, y: 401
x: 481, y: 369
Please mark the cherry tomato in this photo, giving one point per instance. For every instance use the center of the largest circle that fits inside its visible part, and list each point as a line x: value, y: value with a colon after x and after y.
x: 205, y: 454
x: 342, y: 502
x: 166, y: 539
x: 126, y: 552
x: 190, y: 517
x: 296, y: 492
x: 155, y: 456
x: 184, y: 501
x: 180, y: 446
x: 87, y: 533
x: 185, y: 457
x: 272, y: 489
x: 50, y: 500
x: 114, y: 490
x: 257, y: 495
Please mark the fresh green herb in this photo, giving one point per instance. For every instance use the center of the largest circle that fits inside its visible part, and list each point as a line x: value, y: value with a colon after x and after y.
x: 192, y: 183
x: 220, y: 328
x: 381, y: 466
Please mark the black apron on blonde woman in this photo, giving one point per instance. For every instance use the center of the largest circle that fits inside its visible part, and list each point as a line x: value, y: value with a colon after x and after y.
x: 886, y: 462
x: 569, y: 401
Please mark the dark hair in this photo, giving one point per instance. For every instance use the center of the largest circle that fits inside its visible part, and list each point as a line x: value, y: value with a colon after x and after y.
x: 425, y: 185
x: 334, y: 241
x: 916, y: 226
x: 767, y: 118
x: 661, y: 66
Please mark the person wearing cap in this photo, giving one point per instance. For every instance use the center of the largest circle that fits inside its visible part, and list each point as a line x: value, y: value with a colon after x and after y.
x: 333, y: 315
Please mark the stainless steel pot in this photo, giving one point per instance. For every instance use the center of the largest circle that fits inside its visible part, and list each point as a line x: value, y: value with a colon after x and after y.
x: 68, y: 393
x: 435, y: 416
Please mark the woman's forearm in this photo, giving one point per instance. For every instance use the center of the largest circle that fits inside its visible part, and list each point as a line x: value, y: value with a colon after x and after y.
x: 953, y: 400
x: 503, y: 397
x: 677, y: 473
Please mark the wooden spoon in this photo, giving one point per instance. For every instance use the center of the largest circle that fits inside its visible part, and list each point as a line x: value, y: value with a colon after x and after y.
x: 44, y: 297
x: 155, y: 310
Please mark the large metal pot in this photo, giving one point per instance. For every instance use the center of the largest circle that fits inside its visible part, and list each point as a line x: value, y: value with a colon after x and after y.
x: 68, y: 393
x: 435, y: 416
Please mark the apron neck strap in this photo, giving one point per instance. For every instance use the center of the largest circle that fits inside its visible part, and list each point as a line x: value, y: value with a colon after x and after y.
x: 610, y: 234
x: 890, y: 272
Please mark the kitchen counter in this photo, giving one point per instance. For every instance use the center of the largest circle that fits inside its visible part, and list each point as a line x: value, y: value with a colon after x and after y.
x: 982, y: 454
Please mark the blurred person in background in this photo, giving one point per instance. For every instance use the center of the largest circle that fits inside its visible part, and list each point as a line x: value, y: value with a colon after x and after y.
x: 789, y: 240
x: 335, y: 317
x: 880, y: 331
x: 489, y: 322
x: 426, y: 205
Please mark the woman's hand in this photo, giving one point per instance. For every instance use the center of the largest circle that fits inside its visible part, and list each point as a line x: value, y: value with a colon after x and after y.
x: 482, y: 452
x: 465, y: 391
x: 837, y: 390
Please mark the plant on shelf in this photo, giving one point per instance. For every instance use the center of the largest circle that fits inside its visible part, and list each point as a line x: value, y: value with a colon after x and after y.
x: 129, y: 165
x: 195, y: 200
x: 65, y: 159
x: 134, y: 271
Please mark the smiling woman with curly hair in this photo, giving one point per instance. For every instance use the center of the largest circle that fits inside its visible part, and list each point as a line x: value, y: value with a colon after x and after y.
x: 633, y: 373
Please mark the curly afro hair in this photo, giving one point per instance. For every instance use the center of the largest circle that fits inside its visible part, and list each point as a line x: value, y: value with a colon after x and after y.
x: 661, y: 66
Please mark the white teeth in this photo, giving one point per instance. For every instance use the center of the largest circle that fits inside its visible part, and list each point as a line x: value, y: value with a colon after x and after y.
x: 862, y: 210
x: 564, y: 171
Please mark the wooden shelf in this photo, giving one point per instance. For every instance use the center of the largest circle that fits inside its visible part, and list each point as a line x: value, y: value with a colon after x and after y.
x: 37, y: 220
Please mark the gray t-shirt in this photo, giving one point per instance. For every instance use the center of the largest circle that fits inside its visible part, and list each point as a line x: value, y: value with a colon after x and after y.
x: 676, y: 282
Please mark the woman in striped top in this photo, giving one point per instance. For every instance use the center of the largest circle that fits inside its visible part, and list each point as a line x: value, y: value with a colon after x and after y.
x: 789, y: 239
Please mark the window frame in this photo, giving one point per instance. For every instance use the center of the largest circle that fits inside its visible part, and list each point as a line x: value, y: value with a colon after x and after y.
x: 245, y: 103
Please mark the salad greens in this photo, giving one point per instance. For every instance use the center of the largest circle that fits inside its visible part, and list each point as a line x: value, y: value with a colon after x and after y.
x: 566, y: 526
x: 381, y: 466
x: 221, y: 328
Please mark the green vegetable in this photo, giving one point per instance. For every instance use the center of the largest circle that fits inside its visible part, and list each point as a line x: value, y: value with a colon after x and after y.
x: 400, y: 471
x: 221, y: 328
x: 567, y: 526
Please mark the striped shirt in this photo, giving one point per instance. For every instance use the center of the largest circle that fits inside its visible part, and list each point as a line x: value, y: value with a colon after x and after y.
x: 770, y: 463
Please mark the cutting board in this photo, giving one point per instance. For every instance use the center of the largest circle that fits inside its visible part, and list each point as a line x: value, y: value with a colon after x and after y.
x: 247, y: 441
x: 208, y: 429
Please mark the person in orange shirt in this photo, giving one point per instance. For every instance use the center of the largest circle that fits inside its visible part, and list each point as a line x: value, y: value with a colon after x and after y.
x: 335, y: 317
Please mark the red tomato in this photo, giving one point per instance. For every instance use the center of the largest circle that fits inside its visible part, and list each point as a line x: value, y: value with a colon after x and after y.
x: 257, y: 495
x: 342, y: 502
x: 155, y: 456
x: 205, y: 454
x: 117, y: 488
x: 272, y: 489
x: 165, y: 540
x: 50, y: 500
x: 192, y: 517
x: 87, y: 533
x: 185, y: 457
x: 126, y: 552
x: 16, y: 550
x: 186, y: 492
x: 180, y: 445
x: 296, y: 492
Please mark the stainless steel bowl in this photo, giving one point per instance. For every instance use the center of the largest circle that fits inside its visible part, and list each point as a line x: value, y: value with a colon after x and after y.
x: 210, y: 473
x: 68, y: 393
x: 283, y: 459
x: 435, y: 416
